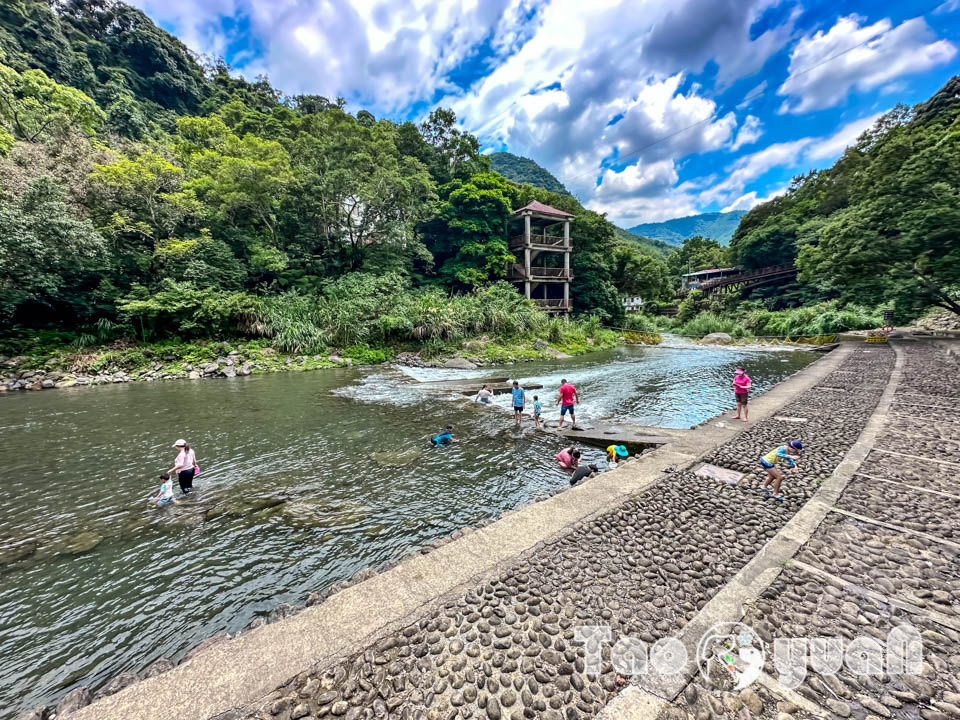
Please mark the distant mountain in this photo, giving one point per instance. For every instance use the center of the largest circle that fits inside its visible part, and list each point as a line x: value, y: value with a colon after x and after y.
x: 524, y: 170
x: 718, y: 226
x: 648, y: 245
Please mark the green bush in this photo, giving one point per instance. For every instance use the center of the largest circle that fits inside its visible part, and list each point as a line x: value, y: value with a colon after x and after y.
x: 638, y: 322
x: 366, y: 355
x: 706, y: 323
x: 822, y: 319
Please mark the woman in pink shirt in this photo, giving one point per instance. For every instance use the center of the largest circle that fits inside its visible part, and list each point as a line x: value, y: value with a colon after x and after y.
x: 568, y: 458
x: 741, y: 390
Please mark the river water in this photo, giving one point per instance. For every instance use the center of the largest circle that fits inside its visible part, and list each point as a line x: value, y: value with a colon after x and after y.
x: 305, y: 479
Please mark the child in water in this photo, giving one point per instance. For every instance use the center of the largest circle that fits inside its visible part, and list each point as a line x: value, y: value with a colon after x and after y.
x: 788, y: 452
x: 537, y: 409
x: 443, y: 437
x: 166, y: 492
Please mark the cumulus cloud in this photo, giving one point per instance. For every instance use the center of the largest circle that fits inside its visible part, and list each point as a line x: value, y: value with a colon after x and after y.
x: 881, y: 53
x: 794, y: 153
x: 749, y: 132
x: 750, y: 200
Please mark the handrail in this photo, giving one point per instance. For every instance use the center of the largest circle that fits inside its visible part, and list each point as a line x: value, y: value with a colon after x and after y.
x: 543, y: 240
x: 740, y: 277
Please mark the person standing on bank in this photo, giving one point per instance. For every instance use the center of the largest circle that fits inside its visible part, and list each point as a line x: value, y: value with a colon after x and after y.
x: 567, y: 397
x: 185, y: 466
x: 741, y: 390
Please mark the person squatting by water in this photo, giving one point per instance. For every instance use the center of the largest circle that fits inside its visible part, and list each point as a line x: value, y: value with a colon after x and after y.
x: 741, y: 392
x: 569, y: 458
x: 185, y: 466
x: 483, y: 395
x: 582, y: 472
x: 567, y: 397
x: 443, y: 437
x: 518, y: 402
x: 615, y: 452
x: 789, y: 452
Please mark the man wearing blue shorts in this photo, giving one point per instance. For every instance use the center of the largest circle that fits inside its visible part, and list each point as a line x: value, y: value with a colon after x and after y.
x: 567, y: 397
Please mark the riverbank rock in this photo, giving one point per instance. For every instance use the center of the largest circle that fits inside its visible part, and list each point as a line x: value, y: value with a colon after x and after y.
x: 121, y: 681
x: 717, y: 339
x: 73, y: 701
x: 158, y: 666
x: 43, y: 712
x: 459, y: 364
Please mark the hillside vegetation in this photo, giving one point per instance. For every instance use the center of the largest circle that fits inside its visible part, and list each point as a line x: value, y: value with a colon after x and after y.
x: 144, y: 196
x: 882, y: 225
x: 524, y: 170
x: 716, y: 226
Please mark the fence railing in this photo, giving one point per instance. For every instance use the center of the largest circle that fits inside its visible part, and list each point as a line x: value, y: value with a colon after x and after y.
x: 547, y: 241
x: 517, y: 272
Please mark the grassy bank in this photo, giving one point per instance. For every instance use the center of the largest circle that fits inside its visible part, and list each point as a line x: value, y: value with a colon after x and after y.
x: 55, y: 357
x: 750, y: 321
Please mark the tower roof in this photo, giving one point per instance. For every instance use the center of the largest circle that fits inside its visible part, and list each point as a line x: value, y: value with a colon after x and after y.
x: 541, y: 209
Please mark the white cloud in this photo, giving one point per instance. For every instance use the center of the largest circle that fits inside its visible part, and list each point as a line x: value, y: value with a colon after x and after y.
x: 947, y: 7
x: 881, y: 53
x: 749, y: 132
x: 750, y: 200
x: 809, y: 150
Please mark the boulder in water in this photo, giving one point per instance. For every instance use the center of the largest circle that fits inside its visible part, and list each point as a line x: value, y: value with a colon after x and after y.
x: 16, y: 550
x: 80, y: 543
x: 396, y: 459
x: 717, y: 338
x: 459, y: 364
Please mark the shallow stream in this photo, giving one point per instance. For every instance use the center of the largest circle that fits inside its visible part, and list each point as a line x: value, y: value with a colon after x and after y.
x: 305, y: 479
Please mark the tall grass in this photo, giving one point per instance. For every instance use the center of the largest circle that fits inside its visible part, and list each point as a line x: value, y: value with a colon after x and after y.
x: 361, y: 308
x: 822, y: 319
x: 708, y: 322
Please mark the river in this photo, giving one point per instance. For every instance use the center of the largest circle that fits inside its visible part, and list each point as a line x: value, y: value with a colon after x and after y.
x: 344, y: 451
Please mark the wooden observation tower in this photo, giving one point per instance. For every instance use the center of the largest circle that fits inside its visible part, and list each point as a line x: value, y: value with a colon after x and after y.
x: 542, y: 247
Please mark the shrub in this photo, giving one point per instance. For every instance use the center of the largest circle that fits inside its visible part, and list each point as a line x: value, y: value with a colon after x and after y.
x: 638, y: 322
x: 706, y: 323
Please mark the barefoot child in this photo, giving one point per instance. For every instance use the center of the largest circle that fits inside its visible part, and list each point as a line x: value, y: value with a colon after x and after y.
x: 537, y: 409
x: 166, y: 492
x: 741, y: 391
x: 789, y: 452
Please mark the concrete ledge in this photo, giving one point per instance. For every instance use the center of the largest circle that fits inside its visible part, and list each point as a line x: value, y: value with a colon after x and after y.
x: 231, y: 676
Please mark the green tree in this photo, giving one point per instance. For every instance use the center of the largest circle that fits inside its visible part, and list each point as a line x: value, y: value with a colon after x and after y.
x: 638, y: 274
x: 44, y: 249
x: 468, y: 238
x: 34, y: 107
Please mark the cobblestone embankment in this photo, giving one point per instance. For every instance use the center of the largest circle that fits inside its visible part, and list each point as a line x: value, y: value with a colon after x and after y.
x: 678, y: 555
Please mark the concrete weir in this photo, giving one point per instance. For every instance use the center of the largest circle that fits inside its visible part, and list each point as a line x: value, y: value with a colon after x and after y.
x: 669, y: 552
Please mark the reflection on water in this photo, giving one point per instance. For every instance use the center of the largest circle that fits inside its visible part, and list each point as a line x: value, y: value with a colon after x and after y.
x: 306, y: 478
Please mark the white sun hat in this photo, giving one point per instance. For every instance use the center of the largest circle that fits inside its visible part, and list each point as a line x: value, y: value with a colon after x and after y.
x: 180, y: 443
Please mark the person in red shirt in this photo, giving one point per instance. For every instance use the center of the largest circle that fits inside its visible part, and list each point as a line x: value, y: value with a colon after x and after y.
x: 741, y: 391
x: 567, y: 397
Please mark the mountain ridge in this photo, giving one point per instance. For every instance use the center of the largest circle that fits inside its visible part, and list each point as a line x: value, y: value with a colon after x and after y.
x: 719, y: 226
x: 524, y: 170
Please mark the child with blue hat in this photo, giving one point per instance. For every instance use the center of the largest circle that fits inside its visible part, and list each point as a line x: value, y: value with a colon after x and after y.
x: 789, y: 453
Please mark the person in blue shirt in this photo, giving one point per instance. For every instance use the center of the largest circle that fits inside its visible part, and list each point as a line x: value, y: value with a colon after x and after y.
x: 518, y: 401
x: 443, y: 437
x: 537, y: 409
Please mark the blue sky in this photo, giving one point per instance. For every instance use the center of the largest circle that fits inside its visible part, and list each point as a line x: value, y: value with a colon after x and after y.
x: 645, y: 109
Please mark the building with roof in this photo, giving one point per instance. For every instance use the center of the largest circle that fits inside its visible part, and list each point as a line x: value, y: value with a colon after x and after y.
x: 542, y: 247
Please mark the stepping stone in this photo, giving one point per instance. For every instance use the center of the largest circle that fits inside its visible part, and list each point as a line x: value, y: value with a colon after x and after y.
x: 719, y: 473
